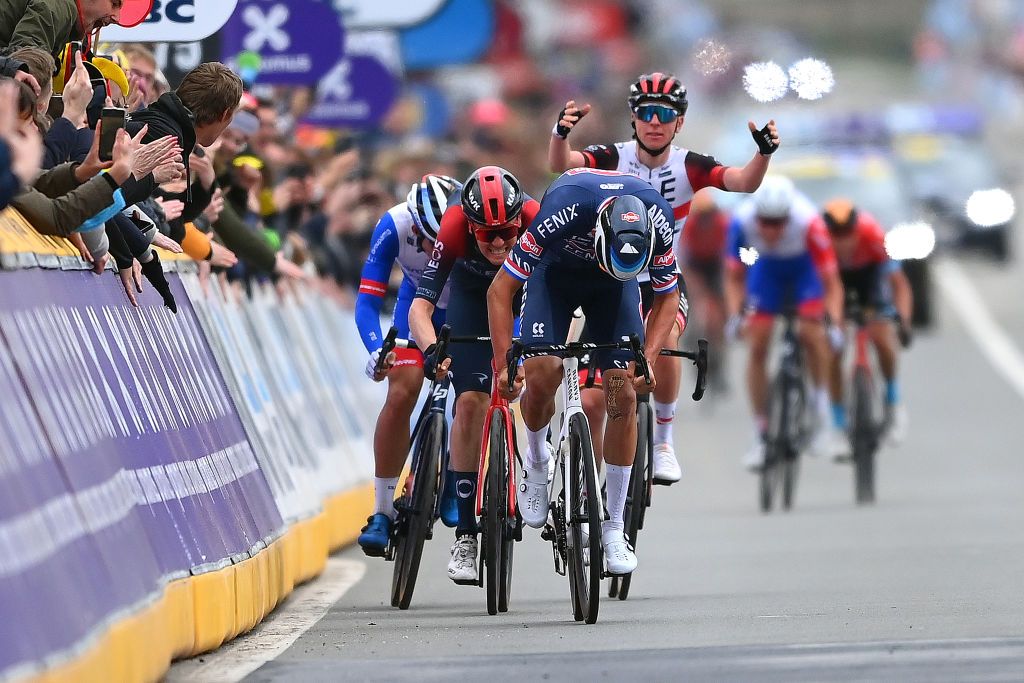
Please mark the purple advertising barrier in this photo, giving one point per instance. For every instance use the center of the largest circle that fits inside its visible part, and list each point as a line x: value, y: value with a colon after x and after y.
x: 144, y: 412
x: 297, y: 41
x: 357, y: 93
x: 48, y: 562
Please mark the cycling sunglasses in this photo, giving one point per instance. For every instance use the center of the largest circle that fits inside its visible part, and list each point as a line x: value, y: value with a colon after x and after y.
x: 647, y: 112
x: 486, y: 234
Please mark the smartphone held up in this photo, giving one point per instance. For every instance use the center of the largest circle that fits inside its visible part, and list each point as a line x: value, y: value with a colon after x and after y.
x: 112, y: 120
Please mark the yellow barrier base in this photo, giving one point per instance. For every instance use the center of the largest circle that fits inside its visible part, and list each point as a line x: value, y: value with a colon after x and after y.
x: 200, y: 613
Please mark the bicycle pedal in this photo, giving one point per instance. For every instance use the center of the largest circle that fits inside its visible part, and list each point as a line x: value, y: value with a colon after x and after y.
x: 663, y: 482
x: 374, y: 552
x: 466, y: 582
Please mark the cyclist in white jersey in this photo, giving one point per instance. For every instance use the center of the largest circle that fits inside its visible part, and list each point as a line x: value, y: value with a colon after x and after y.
x: 658, y: 103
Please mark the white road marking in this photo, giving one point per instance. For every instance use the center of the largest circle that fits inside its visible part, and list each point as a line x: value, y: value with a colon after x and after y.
x: 301, y: 611
x: 992, y: 339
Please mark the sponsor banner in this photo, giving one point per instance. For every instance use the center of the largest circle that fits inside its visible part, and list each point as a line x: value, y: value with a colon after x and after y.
x: 175, y: 21
x: 460, y: 33
x: 297, y: 41
x: 357, y: 93
x: 376, y: 14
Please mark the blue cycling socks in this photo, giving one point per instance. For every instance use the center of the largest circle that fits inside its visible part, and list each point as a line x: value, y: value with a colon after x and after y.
x: 839, y: 415
x: 465, y: 493
x: 892, y: 392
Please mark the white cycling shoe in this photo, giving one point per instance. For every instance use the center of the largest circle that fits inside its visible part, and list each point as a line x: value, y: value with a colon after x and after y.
x: 831, y: 444
x: 896, y: 434
x: 462, y: 565
x: 666, y: 465
x: 619, y: 558
x: 532, y: 497
x: 753, y: 459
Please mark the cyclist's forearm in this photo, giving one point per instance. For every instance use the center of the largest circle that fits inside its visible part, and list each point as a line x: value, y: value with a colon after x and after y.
x: 734, y: 290
x: 421, y: 312
x: 659, y: 324
x: 559, y: 154
x: 834, y: 297
x: 499, y: 314
x: 747, y: 178
x: 903, y: 296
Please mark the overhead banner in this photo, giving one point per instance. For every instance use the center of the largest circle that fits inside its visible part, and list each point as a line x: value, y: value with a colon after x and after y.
x: 376, y: 14
x: 458, y: 34
x: 295, y: 42
x: 357, y: 93
x: 175, y: 21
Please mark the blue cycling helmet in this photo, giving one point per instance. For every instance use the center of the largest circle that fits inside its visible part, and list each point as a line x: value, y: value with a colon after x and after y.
x: 623, y: 241
x: 427, y: 201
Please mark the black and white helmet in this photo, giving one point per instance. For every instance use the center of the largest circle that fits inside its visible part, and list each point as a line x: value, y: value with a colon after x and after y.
x: 623, y: 240
x: 427, y: 201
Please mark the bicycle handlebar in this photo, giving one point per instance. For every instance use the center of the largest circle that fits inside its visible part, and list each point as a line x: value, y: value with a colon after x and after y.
x: 578, y: 349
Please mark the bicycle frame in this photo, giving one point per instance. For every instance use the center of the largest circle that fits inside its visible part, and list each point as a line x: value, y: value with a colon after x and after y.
x: 497, y: 404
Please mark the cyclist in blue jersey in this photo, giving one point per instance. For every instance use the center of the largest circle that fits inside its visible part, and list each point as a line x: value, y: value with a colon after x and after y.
x: 595, y: 233
x: 406, y: 234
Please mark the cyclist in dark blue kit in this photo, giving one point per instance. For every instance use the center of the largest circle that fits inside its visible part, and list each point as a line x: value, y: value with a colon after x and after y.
x: 596, y: 231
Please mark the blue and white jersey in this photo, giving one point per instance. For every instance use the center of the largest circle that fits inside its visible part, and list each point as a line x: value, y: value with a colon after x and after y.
x: 563, y: 231
x: 394, y: 239
x: 797, y: 235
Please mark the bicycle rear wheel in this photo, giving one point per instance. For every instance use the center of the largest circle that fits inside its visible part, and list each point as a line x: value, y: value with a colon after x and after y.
x: 584, y: 507
x: 865, y: 439
x: 416, y: 514
x: 636, y: 501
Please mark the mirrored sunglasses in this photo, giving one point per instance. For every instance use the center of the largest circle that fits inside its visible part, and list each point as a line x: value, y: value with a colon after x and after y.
x: 647, y: 112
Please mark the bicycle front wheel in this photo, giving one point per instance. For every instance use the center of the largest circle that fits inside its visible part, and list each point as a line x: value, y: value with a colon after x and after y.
x: 497, y: 554
x: 416, y: 514
x: 584, y: 508
x: 865, y: 439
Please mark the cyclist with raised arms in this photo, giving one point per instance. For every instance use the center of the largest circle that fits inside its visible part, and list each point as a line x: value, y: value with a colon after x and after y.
x: 780, y: 255
x: 881, y: 286
x: 478, y: 231
x: 658, y: 103
x: 406, y: 234
x: 595, y: 233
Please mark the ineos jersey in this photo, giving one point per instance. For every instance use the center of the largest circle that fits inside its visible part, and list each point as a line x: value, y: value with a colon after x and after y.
x: 563, y: 232
x: 676, y: 180
x: 456, y: 247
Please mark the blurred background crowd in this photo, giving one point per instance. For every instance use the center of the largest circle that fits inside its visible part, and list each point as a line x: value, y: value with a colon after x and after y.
x: 274, y: 195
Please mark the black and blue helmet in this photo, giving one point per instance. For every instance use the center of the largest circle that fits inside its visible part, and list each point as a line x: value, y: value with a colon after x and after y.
x: 623, y: 241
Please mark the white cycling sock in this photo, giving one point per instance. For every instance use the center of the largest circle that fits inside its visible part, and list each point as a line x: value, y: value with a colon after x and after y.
x: 664, y: 413
x: 823, y: 404
x: 384, y: 494
x: 537, y: 449
x: 617, y: 483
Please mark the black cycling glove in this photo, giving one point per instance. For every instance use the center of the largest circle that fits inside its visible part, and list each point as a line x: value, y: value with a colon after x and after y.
x: 906, y: 335
x: 430, y: 362
x: 765, y: 145
x: 560, y: 130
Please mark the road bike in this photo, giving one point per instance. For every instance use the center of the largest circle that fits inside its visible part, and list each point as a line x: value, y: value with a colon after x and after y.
x: 576, y: 512
x: 866, y: 427
x: 788, y: 427
x: 641, y: 478
x: 419, y: 506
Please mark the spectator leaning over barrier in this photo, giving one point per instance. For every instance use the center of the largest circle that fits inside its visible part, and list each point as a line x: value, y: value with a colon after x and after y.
x: 78, y: 197
x: 197, y: 112
x: 51, y: 24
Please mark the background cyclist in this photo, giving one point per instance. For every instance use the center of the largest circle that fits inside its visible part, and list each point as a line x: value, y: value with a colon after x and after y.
x: 405, y: 234
x: 787, y: 247
x: 658, y: 103
x: 880, y: 286
x: 596, y: 231
x: 702, y: 256
x: 478, y: 231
